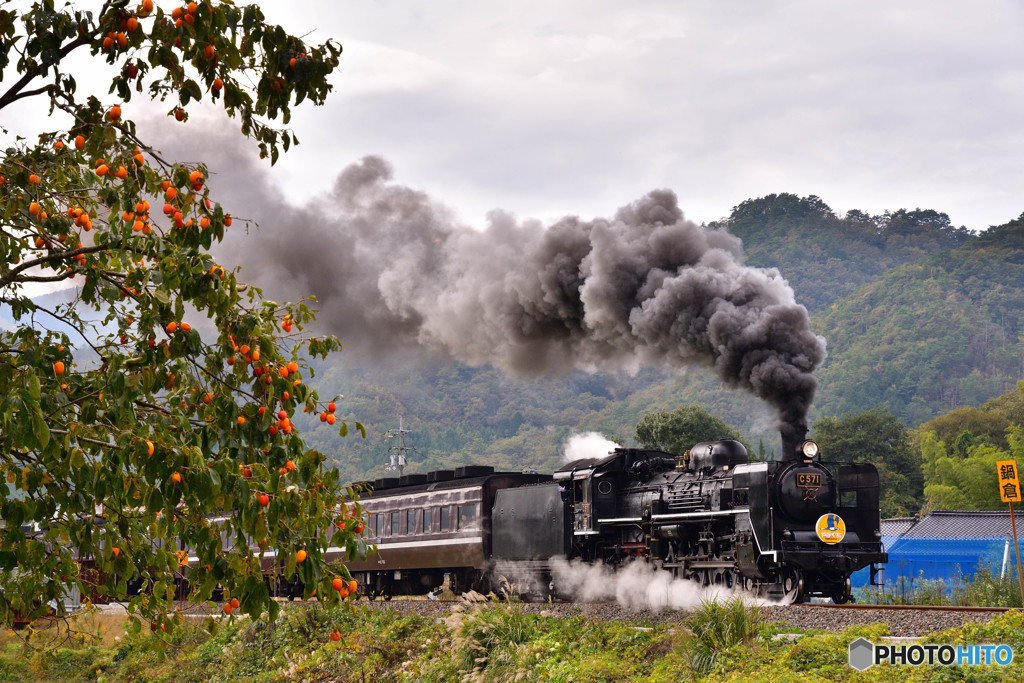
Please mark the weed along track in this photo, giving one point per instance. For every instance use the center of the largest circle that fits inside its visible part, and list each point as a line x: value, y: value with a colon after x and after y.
x: 903, y: 621
x: 463, y: 639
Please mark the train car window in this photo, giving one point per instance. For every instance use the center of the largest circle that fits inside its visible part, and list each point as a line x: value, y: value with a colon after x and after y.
x: 467, y: 516
x: 396, y: 522
x: 381, y: 529
x: 371, y: 525
x: 410, y: 522
x: 428, y: 521
x: 445, y: 515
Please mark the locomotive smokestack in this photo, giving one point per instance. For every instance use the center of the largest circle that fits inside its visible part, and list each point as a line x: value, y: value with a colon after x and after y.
x: 392, y: 269
x: 792, y: 439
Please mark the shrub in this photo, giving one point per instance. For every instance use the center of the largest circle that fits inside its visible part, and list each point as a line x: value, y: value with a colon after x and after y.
x: 986, y: 589
x: 981, y: 589
x: 717, y: 626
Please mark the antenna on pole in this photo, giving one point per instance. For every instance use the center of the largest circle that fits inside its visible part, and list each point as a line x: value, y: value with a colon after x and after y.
x: 398, y: 459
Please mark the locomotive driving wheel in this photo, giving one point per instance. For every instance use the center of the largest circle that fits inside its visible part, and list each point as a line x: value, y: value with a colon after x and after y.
x: 792, y: 586
x: 724, y: 578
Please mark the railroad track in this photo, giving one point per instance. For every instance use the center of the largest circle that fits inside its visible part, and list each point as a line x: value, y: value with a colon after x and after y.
x: 912, y: 608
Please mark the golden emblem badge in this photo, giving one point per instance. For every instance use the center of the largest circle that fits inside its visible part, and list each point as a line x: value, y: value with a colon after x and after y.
x: 830, y: 528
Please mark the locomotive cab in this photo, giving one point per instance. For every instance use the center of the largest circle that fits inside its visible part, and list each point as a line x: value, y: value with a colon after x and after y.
x: 591, y: 487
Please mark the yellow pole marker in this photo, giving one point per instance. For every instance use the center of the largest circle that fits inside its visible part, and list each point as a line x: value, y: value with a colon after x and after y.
x: 1009, y: 492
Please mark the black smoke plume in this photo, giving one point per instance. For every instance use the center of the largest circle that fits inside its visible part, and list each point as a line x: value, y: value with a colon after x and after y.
x: 392, y: 270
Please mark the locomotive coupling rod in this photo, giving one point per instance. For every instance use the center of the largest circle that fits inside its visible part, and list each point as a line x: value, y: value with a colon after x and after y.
x: 711, y: 565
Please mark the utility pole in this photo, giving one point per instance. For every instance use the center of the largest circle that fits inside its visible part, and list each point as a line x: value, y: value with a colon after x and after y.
x: 398, y: 459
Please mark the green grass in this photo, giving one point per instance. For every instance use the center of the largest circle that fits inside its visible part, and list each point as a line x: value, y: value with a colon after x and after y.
x: 493, y: 642
x: 982, y: 589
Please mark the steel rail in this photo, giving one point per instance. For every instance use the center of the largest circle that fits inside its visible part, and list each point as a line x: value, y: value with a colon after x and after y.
x: 917, y: 608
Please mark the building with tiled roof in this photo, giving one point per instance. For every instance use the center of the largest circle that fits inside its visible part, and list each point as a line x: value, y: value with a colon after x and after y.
x: 897, y: 526
x: 953, y: 524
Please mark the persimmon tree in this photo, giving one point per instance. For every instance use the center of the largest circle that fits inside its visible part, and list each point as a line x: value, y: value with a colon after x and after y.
x: 151, y: 412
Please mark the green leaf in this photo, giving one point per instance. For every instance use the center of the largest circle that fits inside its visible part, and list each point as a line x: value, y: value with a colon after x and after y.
x: 40, y: 430
x: 273, y: 609
x: 33, y: 386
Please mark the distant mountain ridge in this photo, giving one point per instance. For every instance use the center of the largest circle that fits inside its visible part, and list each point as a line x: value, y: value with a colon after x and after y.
x: 929, y: 336
x: 825, y: 257
x: 920, y: 316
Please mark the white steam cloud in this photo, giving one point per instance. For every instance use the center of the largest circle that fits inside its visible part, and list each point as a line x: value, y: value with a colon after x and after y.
x: 587, y: 445
x: 637, y: 585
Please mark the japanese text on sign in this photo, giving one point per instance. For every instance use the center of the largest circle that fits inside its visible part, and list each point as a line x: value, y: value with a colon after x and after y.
x: 1009, y: 481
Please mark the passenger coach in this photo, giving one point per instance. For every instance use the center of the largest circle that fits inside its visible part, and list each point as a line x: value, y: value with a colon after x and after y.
x: 428, y: 525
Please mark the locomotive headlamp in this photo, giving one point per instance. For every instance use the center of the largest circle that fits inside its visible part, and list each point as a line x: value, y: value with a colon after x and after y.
x: 809, y: 449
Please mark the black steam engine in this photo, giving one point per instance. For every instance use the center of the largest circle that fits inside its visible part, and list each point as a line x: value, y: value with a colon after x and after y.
x: 788, y: 529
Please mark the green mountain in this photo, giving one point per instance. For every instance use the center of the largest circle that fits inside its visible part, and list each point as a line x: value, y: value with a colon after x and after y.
x: 921, y: 317
x: 458, y: 415
x: 927, y: 337
x: 826, y: 258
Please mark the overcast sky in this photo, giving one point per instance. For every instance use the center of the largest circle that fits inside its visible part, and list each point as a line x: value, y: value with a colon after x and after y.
x: 548, y: 108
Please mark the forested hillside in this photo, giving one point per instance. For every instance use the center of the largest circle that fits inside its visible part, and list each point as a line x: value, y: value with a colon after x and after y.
x: 825, y: 257
x: 958, y: 452
x: 459, y: 415
x: 930, y: 336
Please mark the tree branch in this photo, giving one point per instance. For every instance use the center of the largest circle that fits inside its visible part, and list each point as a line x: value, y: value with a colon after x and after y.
x: 73, y: 324
x: 28, y: 93
x: 14, y: 93
x: 59, y: 256
x: 47, y: 278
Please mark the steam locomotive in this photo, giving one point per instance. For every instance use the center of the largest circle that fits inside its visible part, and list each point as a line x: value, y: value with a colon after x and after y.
x: 790, y: 529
